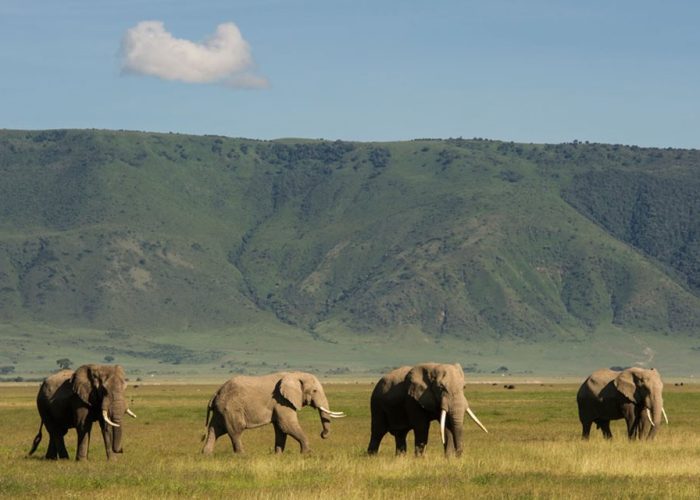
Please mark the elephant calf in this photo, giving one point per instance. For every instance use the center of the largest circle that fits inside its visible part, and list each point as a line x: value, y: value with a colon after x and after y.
x: 246, y: 402
x: 67, y: 399
x: 634, y: 394
x: 410, y: 397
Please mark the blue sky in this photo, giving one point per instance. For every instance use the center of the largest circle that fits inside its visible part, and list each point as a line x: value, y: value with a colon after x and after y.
x: 532, y: 71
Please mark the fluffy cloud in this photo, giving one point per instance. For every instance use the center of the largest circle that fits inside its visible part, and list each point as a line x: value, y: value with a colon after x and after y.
x: 148, y: 49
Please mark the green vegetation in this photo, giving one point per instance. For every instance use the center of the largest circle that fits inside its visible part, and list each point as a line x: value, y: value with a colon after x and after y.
x: 533, y: 450
x: 174, y: 252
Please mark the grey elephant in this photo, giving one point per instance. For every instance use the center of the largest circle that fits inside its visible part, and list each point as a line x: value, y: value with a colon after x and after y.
x: 635, y: 394
x: 67, y: 399
x: 246, y: 402
x: 410, y: 397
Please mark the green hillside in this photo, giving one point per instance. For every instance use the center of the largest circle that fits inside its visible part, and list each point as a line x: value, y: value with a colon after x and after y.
x: 204, y: 253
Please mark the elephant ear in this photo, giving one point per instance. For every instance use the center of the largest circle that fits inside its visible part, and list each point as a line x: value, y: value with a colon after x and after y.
x: 83, y: 383
x: 624, y: 383
x: 291, y: 390
x: 419, y: 387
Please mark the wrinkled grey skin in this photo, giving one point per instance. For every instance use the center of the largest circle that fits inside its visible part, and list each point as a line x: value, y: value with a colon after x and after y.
x: 410, y: 397
x: 246, y: 402
x: 70, y: 399
x: 610, y: 395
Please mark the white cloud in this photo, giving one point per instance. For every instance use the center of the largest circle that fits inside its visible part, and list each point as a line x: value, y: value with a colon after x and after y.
x: 148, y: 49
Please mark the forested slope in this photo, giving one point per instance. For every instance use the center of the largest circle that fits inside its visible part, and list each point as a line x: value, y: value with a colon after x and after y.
x: 466, y: 239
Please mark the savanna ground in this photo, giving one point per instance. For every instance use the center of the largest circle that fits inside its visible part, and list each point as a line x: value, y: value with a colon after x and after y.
x: 533, y: 450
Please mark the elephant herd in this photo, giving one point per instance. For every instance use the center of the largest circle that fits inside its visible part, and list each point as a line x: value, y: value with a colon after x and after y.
x: 406, y: 399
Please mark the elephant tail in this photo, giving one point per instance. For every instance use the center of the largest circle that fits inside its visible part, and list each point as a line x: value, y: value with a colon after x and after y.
x: 210, y: 406
x: 37, y: 439
x: 206, y: 420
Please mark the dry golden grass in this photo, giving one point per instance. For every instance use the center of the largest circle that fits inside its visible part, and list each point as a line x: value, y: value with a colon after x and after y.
x: 532, y: 451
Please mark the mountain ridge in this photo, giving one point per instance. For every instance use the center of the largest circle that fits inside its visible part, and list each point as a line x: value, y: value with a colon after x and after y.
x: 477, y: 240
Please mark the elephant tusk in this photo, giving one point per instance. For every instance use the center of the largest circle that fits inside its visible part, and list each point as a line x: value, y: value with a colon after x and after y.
x: 130, y: 413
x: 106, y: 419
x: 649, y: 417
x: 665, y: 417
x: 471, y: 414
x: 332, y: 414
x: 443, y: 416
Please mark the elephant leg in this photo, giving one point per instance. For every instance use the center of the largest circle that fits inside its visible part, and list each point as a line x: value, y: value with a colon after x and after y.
x: 280, y: 438
x: 291, y: 426
x: 298, y: 434
x: 633, y: 428
x: 61, y: 446
x: 82, y: 450
x: 106, y: 430
x: 57, y: 445
x: 235, y: 425
x: 210, y: 440
x: 586, y: 430
x: 378, y: 431
x: 400, y: 438
x: 420, y: 433
x: 236, y: 442
x: 605, y: 428
x: 631, y: 415
x: 52, y: 450
x: 644, y: 427
x: 288, y: 422
x: 215, y: 430
x: 83, y: 431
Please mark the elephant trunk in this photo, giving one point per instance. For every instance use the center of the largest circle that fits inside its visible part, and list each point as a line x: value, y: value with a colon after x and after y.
x: 115, y: 411
x: 325, y: 423
x: 656, y: 407
x: 117, y: 439
x: 456, y: 419
x: 322, y: 404
x: 452, y: 417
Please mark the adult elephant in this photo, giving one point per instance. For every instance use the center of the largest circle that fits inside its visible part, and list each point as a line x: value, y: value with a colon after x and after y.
x: 635, y: 394
x: 246, y: 402
x: 410, y: 397
x: 67, y: 399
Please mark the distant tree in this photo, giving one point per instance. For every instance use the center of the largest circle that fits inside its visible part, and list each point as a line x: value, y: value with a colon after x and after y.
x: 4, y: 370
x: 108, y: 358
x: 64, y: 363
x: 510, y: 175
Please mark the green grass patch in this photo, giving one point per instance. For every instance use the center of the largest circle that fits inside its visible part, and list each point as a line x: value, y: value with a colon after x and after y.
x: 533, y: 450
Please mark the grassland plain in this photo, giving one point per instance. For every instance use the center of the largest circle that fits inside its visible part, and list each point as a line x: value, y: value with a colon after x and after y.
x: 533, y: 450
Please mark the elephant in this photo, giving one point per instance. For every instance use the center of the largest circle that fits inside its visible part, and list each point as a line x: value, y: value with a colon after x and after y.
x: 247, y: 402
x: 634, y: 394
x: 68, y: 399
x: 410, y: 397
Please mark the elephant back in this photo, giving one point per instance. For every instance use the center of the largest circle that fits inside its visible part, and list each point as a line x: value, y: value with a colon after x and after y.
x: 56, y: 385
x: 392, y: 387
x: 597, y: 384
